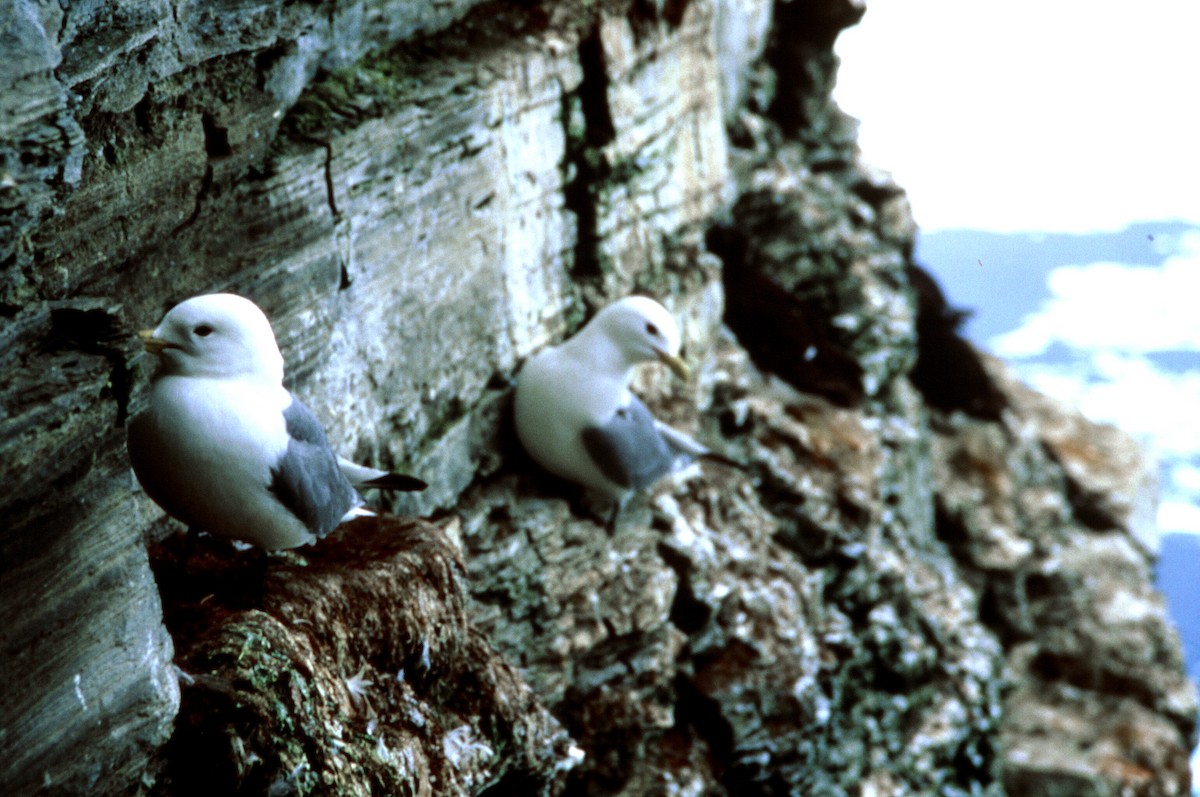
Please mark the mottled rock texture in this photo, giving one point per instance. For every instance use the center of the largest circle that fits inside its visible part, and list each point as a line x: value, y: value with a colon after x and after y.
x: 925, y: 580
x: 351, y: 668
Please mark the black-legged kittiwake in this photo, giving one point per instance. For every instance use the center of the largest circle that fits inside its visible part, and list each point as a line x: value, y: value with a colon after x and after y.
x: 576, y: 416
x: 224, y: 447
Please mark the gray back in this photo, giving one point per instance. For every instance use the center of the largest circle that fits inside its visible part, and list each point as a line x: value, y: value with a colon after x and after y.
x: 307, y: 480
x: 629, y: 449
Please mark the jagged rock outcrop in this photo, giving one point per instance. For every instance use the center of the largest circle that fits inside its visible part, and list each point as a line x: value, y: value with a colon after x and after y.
x: 351, y: 669
x: 917, y: 584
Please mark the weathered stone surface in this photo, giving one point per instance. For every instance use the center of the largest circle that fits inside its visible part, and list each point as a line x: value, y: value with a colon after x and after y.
x: 654, y: 146
x: 1110, y: 479
x: 1099, y: 667
x: 903, y: 592
x: 356, y: 671
x: 86, y: 660
x: 1059, y: 741
x: 97, y: 62
x: 40, y: 141
x: 1042, y: 511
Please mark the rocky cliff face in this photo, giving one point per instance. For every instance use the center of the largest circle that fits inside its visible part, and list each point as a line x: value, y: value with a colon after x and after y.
x: 926, y: 579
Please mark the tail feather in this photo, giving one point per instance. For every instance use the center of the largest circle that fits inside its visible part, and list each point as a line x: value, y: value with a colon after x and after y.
x: 395, y: 481
x: 686, y: 447
x: 363, y: 477
x: 713, y: 456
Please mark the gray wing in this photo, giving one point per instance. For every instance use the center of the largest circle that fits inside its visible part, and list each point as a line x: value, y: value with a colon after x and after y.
x: 307, y: 479
x: 631, y: 449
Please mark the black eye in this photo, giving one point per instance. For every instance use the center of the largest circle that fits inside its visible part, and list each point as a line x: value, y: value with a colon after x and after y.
x: 203, y: 331
x: 652, y: 330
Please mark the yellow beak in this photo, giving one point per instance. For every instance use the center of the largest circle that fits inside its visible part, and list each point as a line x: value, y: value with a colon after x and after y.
x: 153, y: 345
x: 676, y: 364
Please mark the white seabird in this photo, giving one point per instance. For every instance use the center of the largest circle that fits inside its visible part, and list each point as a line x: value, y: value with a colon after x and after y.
x: 225, y: 448
x: 576, y: 416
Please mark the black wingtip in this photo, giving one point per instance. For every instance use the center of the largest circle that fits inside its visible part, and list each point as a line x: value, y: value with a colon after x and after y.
x: 397, y: 482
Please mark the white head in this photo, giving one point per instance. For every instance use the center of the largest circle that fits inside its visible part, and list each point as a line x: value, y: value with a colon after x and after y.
x: 640, y: 329
x: 217, y: 335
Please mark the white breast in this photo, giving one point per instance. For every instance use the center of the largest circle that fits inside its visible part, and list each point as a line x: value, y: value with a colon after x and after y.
x: 204, y: 449
x: 557, y: 397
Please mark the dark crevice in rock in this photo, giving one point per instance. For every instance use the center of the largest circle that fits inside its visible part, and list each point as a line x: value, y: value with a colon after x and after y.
x: 206, y: 184
x: 266, y: 60
x: 815, y: 545
x: 950, y: 530
x: 974, y: 762
x: 198, y: 760
x: 86, y: 325
x: 586, y: 165
x: 593, y: 92
x: 330, y: 195
x: 1086, y: 674
x: 993, y: 613
x: 642, y: 12
x: 1087, y: 506
x: 327, y: 173
x: 875, y: 193
x: 949, y: 372
x: 91, y: 326
x: 516, y: 784
x: 216, y: 137
x: 801, y: 54
x: 673, y: 11
x: 688, y: 613
x: 785, y: 333
x: 701, y: 714
x: 142, y: 115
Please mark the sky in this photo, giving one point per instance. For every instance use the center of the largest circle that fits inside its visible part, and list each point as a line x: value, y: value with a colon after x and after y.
x: 1052, y: 117
x: 1122, y: 343
x: 1029, y: 115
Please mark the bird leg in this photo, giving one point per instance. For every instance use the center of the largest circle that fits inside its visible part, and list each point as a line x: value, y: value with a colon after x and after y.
x: 613, y: 518
x: 189, y: 548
